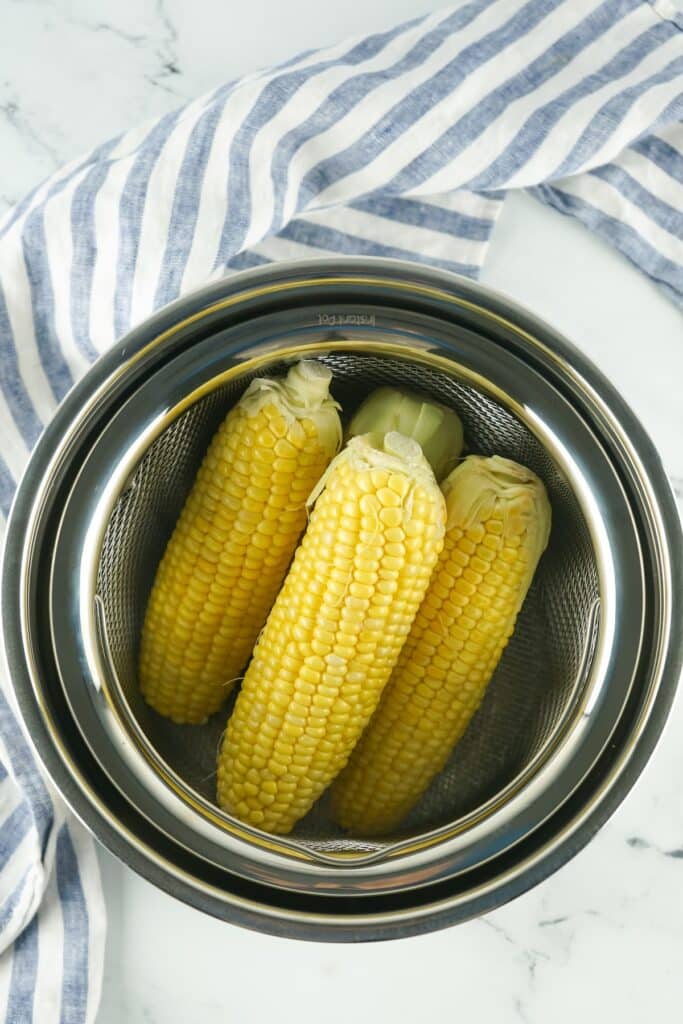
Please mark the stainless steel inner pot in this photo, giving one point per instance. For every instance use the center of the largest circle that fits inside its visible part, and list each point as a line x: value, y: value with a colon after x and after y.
x: 543, y: 668
x: 594, y: 646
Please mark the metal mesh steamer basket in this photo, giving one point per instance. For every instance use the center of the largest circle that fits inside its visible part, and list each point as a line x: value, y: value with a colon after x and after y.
x: 594, y: 653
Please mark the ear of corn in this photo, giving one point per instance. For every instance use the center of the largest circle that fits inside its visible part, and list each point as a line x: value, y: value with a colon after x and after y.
x: 436, y: 428
x: 334, y: 633
x: 235, y: 537
x: 498, y: 522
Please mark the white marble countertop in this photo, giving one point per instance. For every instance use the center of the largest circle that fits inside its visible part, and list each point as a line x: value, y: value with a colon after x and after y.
x: 602, y: 940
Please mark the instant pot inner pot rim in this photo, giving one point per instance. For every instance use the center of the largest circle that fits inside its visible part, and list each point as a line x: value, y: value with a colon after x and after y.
x: 536, y: 683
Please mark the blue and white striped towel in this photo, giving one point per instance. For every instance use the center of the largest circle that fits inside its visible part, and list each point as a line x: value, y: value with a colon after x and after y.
x: 400, y: 144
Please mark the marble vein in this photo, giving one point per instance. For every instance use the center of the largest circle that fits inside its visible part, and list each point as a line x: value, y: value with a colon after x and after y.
x: 531, y: 955
x: 638, y: 843
x: 166, y: 51
x: 103, y: 26
x: 12, y: 111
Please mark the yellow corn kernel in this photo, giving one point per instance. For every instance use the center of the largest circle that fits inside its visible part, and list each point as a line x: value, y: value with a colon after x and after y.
x: 455, y: 644
x: 235, y: 537
x: 362, y: 647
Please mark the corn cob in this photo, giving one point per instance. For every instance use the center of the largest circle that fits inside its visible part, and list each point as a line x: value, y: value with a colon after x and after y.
x: 334, y: 633
x: 235, y: 537
x: 436, y: 428
x: 498, y: 521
